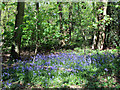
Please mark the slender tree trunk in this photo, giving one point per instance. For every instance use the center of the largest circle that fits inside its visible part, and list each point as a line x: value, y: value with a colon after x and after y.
x: 38, y: 21
x: 4, y: 18
x: 79, y: 19
x: 60, y: 17
x: 0, y: 49
x: 95, y: 33
x: 18, y: 28
x: 62, y: 41
x: 0, y: 46
x: 0, y: 32
x: 70, y: 20
x: 36, y: 32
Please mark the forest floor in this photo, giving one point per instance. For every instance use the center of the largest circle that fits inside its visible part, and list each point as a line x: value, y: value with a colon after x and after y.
x: 103, y: 78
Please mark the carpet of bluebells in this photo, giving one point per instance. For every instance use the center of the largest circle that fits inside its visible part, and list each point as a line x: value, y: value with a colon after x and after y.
x: 63, y: 70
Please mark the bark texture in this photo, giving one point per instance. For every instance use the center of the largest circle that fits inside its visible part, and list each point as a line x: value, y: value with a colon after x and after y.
x: 18, y: 27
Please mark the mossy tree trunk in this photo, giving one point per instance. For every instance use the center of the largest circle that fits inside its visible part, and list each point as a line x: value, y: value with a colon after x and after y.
x: 102, y: 33
x: 108, y: 27
x: 99, y: 35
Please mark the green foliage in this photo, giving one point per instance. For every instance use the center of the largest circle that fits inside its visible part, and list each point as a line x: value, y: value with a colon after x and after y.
x: 43, y: 28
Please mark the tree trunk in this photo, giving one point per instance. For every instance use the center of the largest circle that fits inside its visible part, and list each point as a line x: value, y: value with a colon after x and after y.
x: 79, y: 19
x: 0, y: 49
x: 95, y: 35
x: 108, y: 28
x: 18, y: 28
x: 70, y: 20
x: 62, y: 41
x: 38, y: 21
x: 119, y: 22
x: 0, y: 32
x: 102, y: 27
x: 36, y: 32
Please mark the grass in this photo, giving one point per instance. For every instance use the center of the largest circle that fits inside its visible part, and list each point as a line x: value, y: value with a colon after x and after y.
x: 65, y: 70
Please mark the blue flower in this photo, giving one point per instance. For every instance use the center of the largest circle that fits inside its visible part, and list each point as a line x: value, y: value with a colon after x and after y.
x: 53, y: 77
x: 34, y: 73
x: 49, y: 73
x: 106, y: 69
x: 28, y: 84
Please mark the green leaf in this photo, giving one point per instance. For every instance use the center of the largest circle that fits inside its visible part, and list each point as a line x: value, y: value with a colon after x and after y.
x: 39, y: 23
x: 117, y: 47
x: 10, y: 23
x: 59, y: 11
x: 116, y: 6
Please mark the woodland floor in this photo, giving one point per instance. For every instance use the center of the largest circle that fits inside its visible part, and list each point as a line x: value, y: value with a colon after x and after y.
x: 25, y: 55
